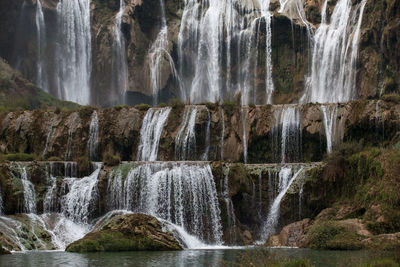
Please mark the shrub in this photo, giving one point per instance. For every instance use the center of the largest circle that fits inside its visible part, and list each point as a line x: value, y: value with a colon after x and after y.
x: 394, y: 98
x: 211, y: 106
x: 20, y: 157
x: 162, y: 105
x: 143, y: 107
x: 230, y: 107
x: 84, y: 166
x: 111, y: 160
x: 86, y: 111
x: 176, y: 103
x: 54, y: 158
x: 322, y: 233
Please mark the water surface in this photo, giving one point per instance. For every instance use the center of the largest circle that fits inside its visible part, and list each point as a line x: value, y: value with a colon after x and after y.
x: 198, y: 258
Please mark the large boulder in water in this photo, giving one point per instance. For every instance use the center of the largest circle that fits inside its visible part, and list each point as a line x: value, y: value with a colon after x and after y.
x: 132, y: 232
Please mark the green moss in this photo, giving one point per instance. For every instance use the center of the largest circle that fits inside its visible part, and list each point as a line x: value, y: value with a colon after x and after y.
x: 143, y: 107
x: 322, y: 233
x: 385, y: 262
x: 176, y: 103
x: 20, y: 157
x: 111, y: 160
x: 394, y: 98
x: 162, y: 105
x: 115, y: 241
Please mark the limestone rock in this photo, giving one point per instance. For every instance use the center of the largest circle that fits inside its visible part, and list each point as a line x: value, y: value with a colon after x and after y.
x: 132, y: 232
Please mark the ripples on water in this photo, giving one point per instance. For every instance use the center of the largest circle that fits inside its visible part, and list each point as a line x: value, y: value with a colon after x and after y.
x: 206, y: 257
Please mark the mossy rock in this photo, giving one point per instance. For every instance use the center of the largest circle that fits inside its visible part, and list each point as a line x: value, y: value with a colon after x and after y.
x: 133, y: 232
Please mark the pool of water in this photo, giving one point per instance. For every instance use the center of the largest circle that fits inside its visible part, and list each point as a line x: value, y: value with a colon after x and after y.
x: 202, y: 257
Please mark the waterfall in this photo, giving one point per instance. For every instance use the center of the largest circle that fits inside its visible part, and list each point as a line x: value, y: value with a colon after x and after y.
x: 48, y: 138
x: 150, y: 133
x: 41, y: 77
x: 71, y: 129
x: 13, y: 230
x: 184, y: 194
x: 158, y: 54
x: 230, y: 211
x: 93, y: 141
x: 335, y: 52
x: 222, y: 133
x: 286, y: 178
x: 1, y: 203
x: 207, y: 141
x: 185, y: 141
x: 216, y: 31
x: 50, y: 200
x: 244, y: 120
x: 74, y: 50
x: 21, y: 173
x: 80, y: 201
x: 330, y: 118
x: 119, y: 60
x: 287, y: 134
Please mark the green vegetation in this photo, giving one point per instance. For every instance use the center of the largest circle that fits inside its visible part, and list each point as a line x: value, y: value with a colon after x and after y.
x: 84, y: 166
x: 162, y: 105
x: 176, y: 103
x: 385, y: 262
x: 394, y: 98
x: 18, y: 94
x: 263, y: 257
x: 110, y: 159
x: 329, y: 235
x: 143, y: 107
x: 20, y: 157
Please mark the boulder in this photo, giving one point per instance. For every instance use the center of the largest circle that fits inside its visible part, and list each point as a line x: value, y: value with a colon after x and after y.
x: 292, y: 235
x: 132, y: 232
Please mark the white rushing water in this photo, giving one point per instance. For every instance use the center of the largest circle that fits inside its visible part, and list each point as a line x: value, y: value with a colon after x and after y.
x: 222, y: 133
x: 50, y: 200
x: 244, y: 114
x: 150, y: 133
x: 159, y: 53
x: 119, y: 63
x: 41, y: 77
x: 72, y: 126
x: 1, y: 203
x: 93, y: 141
x: 183, y: 194
x: 335, y: 54
x: 48, y: 139
x: 185, y: 141
x: 29, y: 189
x: 207, y: 139
x: 287, y: 134
x: 80, y: 201
x: 230, y: 211
x: 74, y: 62
x: 286, y: 178
x: 330, y: 113
x: 217, y: 32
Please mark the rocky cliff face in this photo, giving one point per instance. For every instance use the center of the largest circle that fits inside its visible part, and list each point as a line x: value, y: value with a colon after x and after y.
x: 377, y: 69
x: 66, y: 135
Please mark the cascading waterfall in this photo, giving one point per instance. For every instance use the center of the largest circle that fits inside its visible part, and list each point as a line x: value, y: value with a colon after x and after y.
x: 222, y: 133
x: 158, y: 53
x: 48, y: 138
x: 335, y: 55
x: 230, y: 211
x: 119, y: 60
x: 150, y: 133
x: 185, y: 142
x: 207, y: 141
x: 217, y: 30
x: 79, y: 202
x: 244, y: 114
x: 41, y: 77
x: 184, y: 194
x: 71, y: 129
x: 287, y: 134
x: 286, y: 178
x: 93, y: 141
x: 50, y: 199
x: 29, y: 189
x: 330, y: 113
x: 74, y: 53
x: 1, y: 204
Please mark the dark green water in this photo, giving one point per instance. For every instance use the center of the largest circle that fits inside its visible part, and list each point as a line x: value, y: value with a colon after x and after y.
x: 218, y: 257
